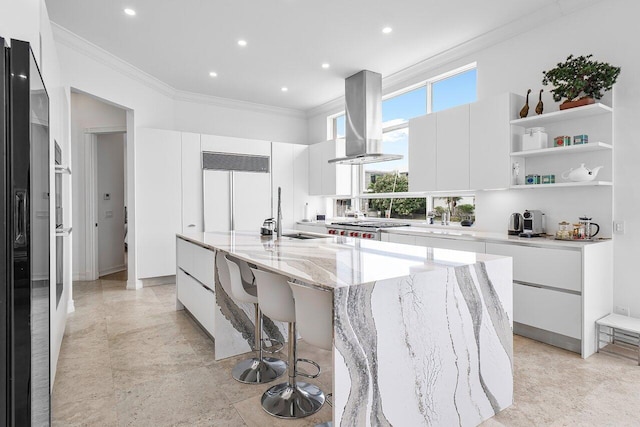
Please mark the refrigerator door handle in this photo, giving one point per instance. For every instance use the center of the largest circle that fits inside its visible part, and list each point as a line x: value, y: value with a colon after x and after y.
x: 232, y: 207
x: 20, y: 219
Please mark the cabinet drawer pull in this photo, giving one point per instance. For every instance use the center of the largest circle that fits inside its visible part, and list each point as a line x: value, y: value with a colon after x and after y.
x: 550, y: 288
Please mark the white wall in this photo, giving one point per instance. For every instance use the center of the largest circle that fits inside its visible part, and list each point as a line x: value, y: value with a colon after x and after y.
x: 86, y: 112
x: 515, y: 65
x: 110, y: 154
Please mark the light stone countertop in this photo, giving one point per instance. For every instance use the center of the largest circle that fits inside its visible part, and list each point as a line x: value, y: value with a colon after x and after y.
x: 334, y: 262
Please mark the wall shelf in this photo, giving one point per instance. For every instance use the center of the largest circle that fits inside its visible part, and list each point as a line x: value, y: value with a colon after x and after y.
x: 572, y: 149
x: 564, y: 184
x: 563, y: 115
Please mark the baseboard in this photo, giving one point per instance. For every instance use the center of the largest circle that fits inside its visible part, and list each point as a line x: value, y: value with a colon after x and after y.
x: 548, y: 337
x: 112, y: 270
x: 71, y: 306
x: 132, y: 285
x: 157, y: 281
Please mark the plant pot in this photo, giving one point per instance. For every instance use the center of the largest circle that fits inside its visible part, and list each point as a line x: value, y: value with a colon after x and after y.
x: 579, y: 103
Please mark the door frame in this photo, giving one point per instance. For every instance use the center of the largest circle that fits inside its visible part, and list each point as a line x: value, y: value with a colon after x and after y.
x: 91, y: 201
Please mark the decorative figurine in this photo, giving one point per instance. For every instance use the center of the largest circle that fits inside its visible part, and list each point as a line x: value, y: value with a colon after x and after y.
x: 525, y: 110
x: 540, y: 106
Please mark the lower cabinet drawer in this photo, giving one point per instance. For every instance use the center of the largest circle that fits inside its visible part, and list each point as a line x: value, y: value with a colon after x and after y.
x: 200, y: 301
x: 184, y: 254
x: 554, y: 311
x: 202, y: 266
x: 453, y: 244
x: 401, y: 238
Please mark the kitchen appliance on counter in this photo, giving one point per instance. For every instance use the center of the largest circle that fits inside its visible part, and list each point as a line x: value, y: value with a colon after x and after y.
x: 533, y: 223
x: 362, y: 229
x: 588, y: 227
x: 515, y: 224
x: 268, y: 227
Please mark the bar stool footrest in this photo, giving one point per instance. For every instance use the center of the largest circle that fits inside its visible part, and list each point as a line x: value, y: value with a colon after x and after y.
x: 310, y: 362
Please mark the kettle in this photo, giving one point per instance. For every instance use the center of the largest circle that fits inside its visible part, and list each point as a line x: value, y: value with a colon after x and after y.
x: 516, y: 221
x: 581, y: 174
x: 268, y: 227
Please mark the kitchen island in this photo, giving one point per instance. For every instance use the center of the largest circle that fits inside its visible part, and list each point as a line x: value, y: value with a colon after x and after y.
x: 422, y: 336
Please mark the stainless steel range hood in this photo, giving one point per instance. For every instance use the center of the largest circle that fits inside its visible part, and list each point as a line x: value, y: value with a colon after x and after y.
x: 363, y: 103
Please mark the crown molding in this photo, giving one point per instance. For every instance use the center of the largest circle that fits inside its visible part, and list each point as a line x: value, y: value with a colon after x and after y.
x: 424, y: 69
x: 86, y: 48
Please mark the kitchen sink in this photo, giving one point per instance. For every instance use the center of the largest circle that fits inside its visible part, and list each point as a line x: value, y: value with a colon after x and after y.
x: 304, y: 236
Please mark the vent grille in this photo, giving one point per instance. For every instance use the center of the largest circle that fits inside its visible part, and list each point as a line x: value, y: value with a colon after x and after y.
x: 235, y: 162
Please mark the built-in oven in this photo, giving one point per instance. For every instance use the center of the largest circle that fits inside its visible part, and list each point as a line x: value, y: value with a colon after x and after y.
x: 362, y: 229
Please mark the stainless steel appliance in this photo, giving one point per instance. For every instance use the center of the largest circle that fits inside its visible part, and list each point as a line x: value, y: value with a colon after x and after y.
x: 363, y: 110
x: 533, y: 223
x: 268, y: 227
x: 362, y: 229
x: 24, y: 252
x: 237, y: 191
x: 515, y: 224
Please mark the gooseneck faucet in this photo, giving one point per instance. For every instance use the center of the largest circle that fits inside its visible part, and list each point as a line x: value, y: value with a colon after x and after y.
x: 279, y: 217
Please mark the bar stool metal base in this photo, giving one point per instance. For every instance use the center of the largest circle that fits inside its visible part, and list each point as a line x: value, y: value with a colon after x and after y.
x: 256, y: 371
x: 293, y: 401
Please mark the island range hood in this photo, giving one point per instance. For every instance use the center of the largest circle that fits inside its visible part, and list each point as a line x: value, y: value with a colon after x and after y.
x: 363, y: 103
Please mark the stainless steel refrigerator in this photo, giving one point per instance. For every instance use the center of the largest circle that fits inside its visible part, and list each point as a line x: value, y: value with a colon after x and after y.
x: 237, y: 191
x: 25, y: 234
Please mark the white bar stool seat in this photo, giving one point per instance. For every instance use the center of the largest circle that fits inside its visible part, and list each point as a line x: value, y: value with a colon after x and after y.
x: 292, y: 399
x: 260, y: 369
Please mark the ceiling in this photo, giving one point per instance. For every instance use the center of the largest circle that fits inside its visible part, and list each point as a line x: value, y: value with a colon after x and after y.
x: 181, y: 41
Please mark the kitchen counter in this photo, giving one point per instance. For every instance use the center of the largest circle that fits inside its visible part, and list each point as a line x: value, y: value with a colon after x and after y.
x: 422, y: 336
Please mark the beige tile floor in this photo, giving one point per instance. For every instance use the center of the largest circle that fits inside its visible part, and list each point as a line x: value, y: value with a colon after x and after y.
x: 128, y: 358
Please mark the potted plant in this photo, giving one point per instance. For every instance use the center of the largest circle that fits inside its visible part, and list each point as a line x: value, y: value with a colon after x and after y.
x: 580, y: 80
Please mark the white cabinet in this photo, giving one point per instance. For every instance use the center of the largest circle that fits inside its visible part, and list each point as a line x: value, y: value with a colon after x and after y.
x: 452, y: 171
x: 328, y: 179
x: 195, y: 285
x: 192, y: 219
x: 453, y: 244
x: 289, y: 170
x: 313, y: 228
x: 406, y: 239
x: 490, y: 134
x: 158, y: 208
x: 422, y: 153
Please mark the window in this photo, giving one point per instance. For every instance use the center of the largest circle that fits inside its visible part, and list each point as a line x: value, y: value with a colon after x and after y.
x: 459, y: 208
x: 446, y: 91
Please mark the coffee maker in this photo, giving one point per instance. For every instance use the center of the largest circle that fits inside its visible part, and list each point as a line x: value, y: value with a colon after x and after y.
x: 533, y: 223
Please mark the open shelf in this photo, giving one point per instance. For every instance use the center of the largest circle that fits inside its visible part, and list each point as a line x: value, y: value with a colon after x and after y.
x: 563, y: 115
x: 571, y: 149
x: 564, y: 184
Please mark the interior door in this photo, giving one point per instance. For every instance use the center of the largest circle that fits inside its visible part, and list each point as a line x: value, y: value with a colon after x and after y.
x: 252, y: 200
x: 217, y: 196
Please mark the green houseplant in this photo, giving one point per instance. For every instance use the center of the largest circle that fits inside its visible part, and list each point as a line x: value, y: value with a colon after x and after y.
x: 580, y: 80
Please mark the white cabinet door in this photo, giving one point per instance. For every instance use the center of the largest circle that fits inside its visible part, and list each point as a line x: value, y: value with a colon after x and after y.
x: 401, y: 238
x: 158, y: 203
x: 315, y: 169
x: 300, y: 180
x: 200, y: 301
x: 422, y: 153
x: 251, y: 200
x: 192, y: 214
x: 217, y: 208
x: 229, y: 144
x: 452, y: 131
x: 454, y: 244
x: 490, y: 133
x: 282, y: 175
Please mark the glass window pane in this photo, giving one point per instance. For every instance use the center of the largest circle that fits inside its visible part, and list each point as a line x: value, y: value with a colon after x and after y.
x: 402, y: 208
x: 455, y: 90
x: 396, y: 142
x: 401, y: 108
x: 459, y: 208
x: 339, y: 124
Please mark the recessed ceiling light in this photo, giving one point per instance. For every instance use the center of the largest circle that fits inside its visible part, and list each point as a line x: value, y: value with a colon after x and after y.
x: 213, y: 74
x: 242, y: 43
x: 284, y: 89
x: 130, y: 12
x: 325, y: 65
x: 387, y: 30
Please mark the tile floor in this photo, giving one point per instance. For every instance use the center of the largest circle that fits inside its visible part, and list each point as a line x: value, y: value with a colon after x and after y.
x: 128, y: 358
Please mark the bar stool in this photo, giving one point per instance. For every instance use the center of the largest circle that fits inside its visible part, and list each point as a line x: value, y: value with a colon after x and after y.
x: 292, y: 399
x: 260, y: 369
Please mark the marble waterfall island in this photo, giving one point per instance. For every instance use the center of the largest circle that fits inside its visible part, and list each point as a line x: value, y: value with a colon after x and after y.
x: 422, y: 336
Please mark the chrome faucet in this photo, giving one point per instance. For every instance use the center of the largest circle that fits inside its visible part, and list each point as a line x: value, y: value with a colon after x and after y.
x: 279, y: 217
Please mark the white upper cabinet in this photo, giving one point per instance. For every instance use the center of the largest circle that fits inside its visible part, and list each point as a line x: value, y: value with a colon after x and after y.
x: 422, y: 153
x: 158, y: 208
x: 192, y: 217
x: 229, y: 144
x: 490, y: 136
x: 452, y: 171
x: 332, y: 179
